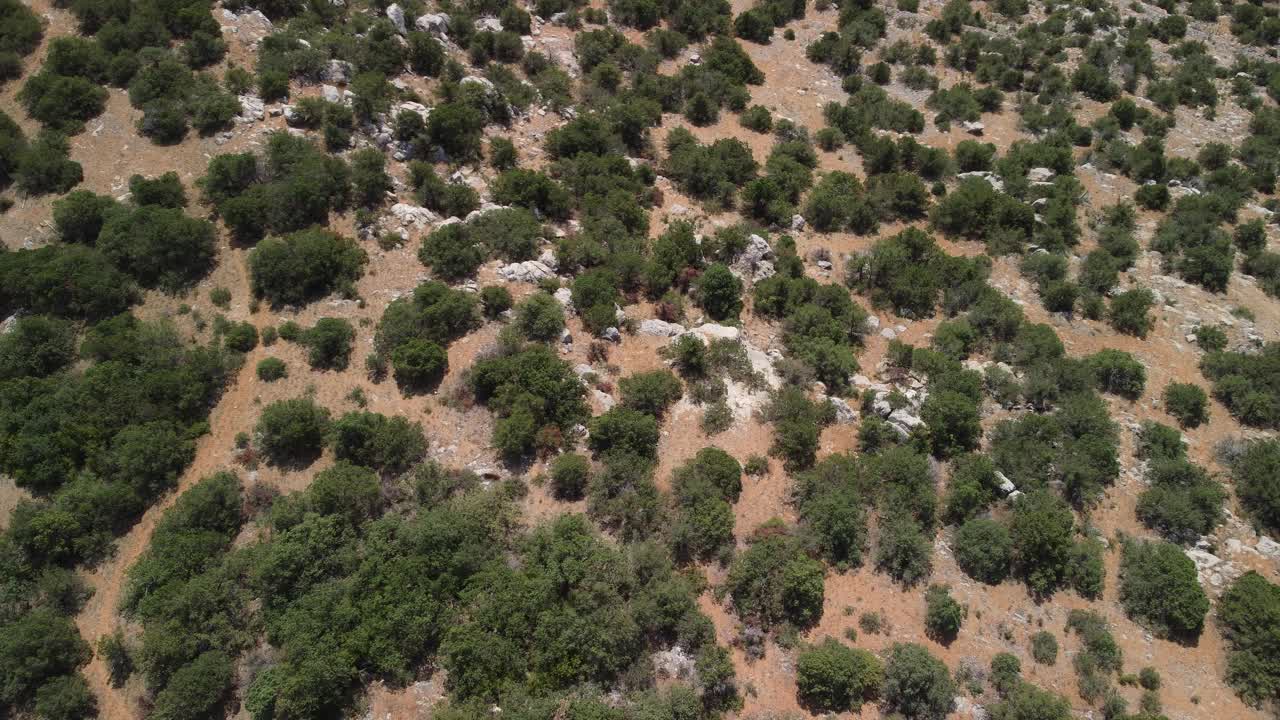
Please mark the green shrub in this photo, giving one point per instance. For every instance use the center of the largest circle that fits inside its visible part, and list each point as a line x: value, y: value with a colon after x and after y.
x: 43, y: 167
x: 1041, y: 529
x: 917, y: 684
x: 540, y: 317
x: 1187, y: 403
x: 329, y: 344
x: 495, y: 300
x: 292, y: 431
x: 1129, y: 312
x: 197, y: 689
x: 984, y: 550
x: 904, y: 552
x: 1118, y: 372
x: 570, y: 474
x: 1044, y: 648
x: 943, y: 615
x: 953, y: 421
x: 625, y: 430
x: 387, y: 444
x: 719, y: 292
x: 241, y: 337
x: 1249, y: 612
x: 756, y: 118
x: 272, y: 369
x: 530, y: 390
x: 773, y: 581
x: 304, y: 266
x: 160, y: 247
x: 1159, y: 588
x: 651, y: 392
x: 1256, y: 473
x: 833, y: 678
x: 79, y: 216
x: 419, y: 364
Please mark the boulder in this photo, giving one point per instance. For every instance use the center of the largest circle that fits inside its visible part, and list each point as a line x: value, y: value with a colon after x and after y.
x: 906, y: 418
x: 477, y: 80
x: 564, y: 296
x: 1268, y: 547
x: 1006, y: 485
x: 489, y: 24
x: 1040, y: 174
x: 529, y: 271
x: 548, y: 258
x: 252, y: 109
x: 415, y: 215
x: 748, y: 261
x: 714, y: 331
x: 331, y: 93
x: 660, y: 328
x: 844, y: 414
x: 611, y: 334
x: 435, y: 23
x: 395, y: 14
x: 338, y: 72
x: 413, y: 107
x: 992, y: 179
x: 973, y: 127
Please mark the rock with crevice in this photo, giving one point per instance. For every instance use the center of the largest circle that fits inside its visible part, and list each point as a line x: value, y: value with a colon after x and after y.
x: 529, y: 271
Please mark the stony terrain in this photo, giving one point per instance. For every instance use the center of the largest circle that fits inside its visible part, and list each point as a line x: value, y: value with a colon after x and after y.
x: 1001, y: 618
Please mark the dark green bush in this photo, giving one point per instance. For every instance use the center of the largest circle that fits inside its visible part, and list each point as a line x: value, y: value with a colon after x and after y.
x: 292, y: 431
x: 1249, y: 612
x: 419, y: 364
x: 1128, y: 313
x: 329, y: 344
x: 1188, y: 403
x: 387, y: 444
x: 650, y: 392
x: 984, y: 550
x: 272, y: 369
x: 1159, y: 588
x: 540, y: 317
x: 1118, y: 372
x: 570, y: 474
x: 773, y: 581
x: 833, y: 678
x: 917, y: 684
x: 304, y: 266
x: 943, y: 615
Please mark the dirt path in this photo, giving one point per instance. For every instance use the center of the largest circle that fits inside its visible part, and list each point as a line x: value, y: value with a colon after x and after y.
x: 100, y: 615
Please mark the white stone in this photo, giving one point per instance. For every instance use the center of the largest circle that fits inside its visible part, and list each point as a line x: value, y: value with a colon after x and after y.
x: 973, y: 127
x: 395, y: 14
x: 660, y: 328
x: 888, y: 334
x: 611, y: 334
x: 331, y: 93
x: 715, y: 331
x: 1039, y: 174
x: 903, y: 417
x: 844, y: 413
x: 530, y: 271
x: 1006, y: 485
x: 435, y: 23
x: 252, y: 109
x: 564, y: 296
x: 413, y: 214
x: 1268, y: 547
x: 992, y: 179
x: 477, y: 80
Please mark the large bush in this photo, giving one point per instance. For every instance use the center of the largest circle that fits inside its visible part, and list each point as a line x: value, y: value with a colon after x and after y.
x: 984, y: 550
x: 1159, y: 588
x: 1249, y: 612
x: 773, y: 581
x: 304, y: 266
x: 831, y: 677
x: 388, y: 444
x: 292, y: 431
x: 917, y: 684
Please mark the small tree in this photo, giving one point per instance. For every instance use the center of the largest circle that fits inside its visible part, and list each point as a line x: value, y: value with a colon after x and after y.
x: 943, y: 615
x: 419, y: 364
x: 540, y: 317
x: 292, y: 431
x: 1188, y: 403
x: 833, y: 678
x: 1128, y: 312
x: 983, y: 550
x: 719, y: 292
x: 570, y: 474
x: 917, y: 684
x: 329, y: 343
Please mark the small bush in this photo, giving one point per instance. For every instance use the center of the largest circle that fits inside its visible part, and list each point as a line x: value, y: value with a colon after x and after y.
x: 292, y: 431
x: 984, y: 550
x: 1129, y: 312
x: 419, y: 364
x: 1044, y: 648
x: 943, y: 615
x: 1188, y: 403
x: 570, y: 475
x: 272, y: 369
